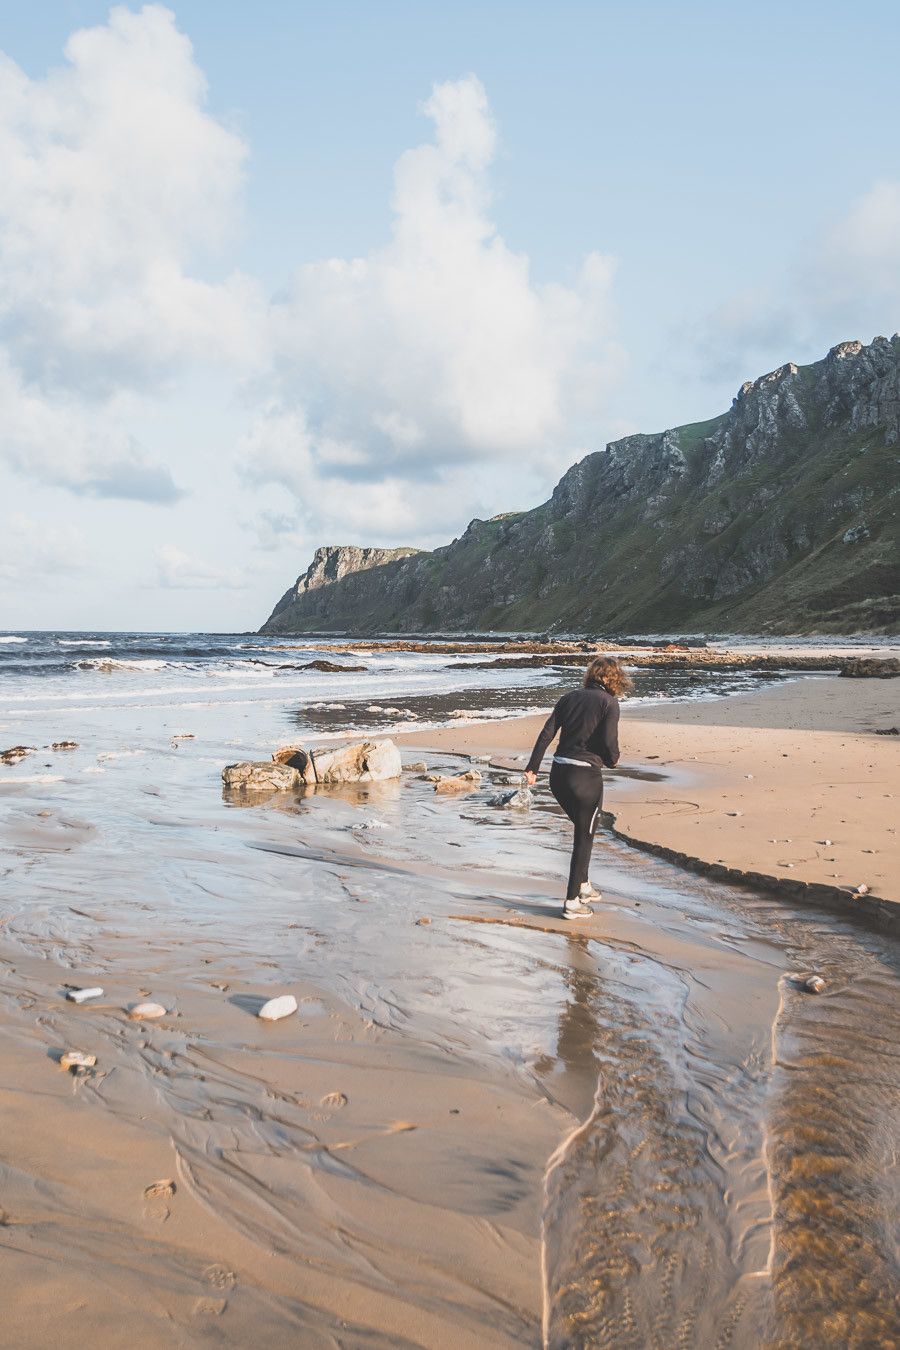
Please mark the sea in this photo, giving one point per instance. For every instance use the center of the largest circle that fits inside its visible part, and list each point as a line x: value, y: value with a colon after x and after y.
x: 66, y: 680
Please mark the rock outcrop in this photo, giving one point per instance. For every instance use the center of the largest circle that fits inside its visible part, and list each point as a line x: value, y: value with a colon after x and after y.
x: 331, y: 564
x: 780, y: 515
x: 370, y: 762
x: 293, y: 767
x: 260, y: 777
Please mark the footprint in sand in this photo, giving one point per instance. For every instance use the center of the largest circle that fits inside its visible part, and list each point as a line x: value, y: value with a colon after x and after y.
x: 210, y: 1307
x: 334, y: 1101
x: 220, y: 1277
x: 155, y: 1196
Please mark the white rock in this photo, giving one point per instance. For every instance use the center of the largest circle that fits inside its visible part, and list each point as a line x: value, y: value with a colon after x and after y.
x: 276, y: 1008
x: 814, y: 985
x: 368, y: 762
x: 862, y: 889
x: 261, y: 777
x: 417, y: 766
x: 82, y: 995
x: 146, y: 1012
x: 77, y: 1059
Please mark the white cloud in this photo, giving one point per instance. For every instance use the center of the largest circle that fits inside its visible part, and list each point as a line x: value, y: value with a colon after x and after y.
x: 64, y: 442
x: 843, y: 285
x: 113, y: 181
x: 33, y: 550
x: 179, y: 571
x: 390, y: 396
x: 274, y: 529
x: 407, y: 377
x: 853, y: 273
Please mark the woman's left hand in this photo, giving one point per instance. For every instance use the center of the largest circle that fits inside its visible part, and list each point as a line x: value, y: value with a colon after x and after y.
x: 530, y: 777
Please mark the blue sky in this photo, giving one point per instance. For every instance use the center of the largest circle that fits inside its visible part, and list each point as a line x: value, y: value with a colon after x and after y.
x: 264, y: 288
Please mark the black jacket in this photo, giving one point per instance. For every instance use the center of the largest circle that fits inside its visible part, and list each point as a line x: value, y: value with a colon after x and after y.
x: 588, y: 724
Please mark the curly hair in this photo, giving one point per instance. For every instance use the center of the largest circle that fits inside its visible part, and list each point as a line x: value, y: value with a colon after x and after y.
x: 606, y: 671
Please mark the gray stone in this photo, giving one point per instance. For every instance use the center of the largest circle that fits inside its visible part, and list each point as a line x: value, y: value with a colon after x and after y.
x: 261, y: 777
x: 365, y: 762
x: 519, y: 800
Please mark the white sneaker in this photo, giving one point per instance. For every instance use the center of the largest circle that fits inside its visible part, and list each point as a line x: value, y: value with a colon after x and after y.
x: 588, y: 892
x: 576, y: 909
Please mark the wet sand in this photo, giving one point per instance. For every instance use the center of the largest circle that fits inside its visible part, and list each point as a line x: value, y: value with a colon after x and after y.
x: 484, y: 1126
x: 755, y: 782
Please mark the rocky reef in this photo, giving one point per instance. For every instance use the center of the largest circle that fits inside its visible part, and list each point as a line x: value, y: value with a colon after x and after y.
x: 778, y: 516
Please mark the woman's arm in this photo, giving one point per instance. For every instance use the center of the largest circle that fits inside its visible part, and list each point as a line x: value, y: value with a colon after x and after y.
x: 609, y: 736
x: 548, y: 731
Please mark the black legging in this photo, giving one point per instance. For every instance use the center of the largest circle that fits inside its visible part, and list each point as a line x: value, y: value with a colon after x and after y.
x: 580, y: 794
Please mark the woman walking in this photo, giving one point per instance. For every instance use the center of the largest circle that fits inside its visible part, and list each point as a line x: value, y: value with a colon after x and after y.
x: 587, y: 721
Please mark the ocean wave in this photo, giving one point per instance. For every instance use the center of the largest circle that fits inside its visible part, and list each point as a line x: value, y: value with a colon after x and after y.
x: 13, y: 639
x: 258, y: 670
x: 107, y: 664
x: 82, y: 642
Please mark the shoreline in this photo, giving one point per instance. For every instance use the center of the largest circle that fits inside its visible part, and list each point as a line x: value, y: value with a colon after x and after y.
x: 752, y: 786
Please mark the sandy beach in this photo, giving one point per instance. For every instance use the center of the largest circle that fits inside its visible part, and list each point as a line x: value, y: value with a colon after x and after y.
x: 483, y: 1125
x: 792, y: 783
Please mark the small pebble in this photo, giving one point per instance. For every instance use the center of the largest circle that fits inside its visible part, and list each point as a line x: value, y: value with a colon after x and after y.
x: 146, y: 1012
x: 421, y: 922
x: 82, y: 995
x: 77, y: 1059
x: 862, y: 889
x: 814, y: 985
x: 276, y: 1008
x: 734, y: 813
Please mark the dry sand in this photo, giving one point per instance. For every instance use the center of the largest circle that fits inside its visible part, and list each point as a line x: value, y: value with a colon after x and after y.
x: 756, y: 782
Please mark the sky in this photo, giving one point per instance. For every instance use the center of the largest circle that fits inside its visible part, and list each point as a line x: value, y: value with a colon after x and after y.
x: 358, y: 271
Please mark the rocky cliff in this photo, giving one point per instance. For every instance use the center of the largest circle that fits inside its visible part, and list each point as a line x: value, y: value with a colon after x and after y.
x: 329, y: 565
x: 778, y: 516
